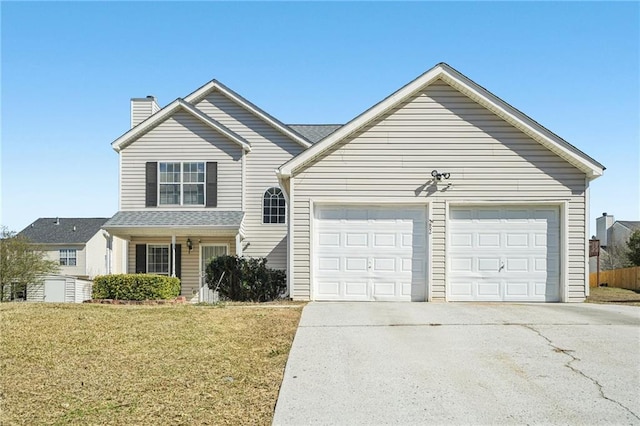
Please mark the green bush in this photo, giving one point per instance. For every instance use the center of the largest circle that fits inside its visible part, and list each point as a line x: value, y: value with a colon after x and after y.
x: 135, y: 287
x: 245, y: 280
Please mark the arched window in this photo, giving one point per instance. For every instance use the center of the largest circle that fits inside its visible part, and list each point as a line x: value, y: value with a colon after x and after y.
x: 273, y: 206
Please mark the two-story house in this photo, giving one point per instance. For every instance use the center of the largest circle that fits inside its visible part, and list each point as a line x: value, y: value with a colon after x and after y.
x: 78, y: 245
x: 441, y: 191
x: 197, y: 180
x: 82, y: 249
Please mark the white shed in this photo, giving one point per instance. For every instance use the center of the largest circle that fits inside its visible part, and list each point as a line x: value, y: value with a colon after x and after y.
x: 60, y: 289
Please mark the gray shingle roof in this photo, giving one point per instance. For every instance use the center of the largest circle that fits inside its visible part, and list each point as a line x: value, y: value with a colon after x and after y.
x: 147, y: 219
x: 46, y: 231
x: 315, y: 132
x: 630, y: 224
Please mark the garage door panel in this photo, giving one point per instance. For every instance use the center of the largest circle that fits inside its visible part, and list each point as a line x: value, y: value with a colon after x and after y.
x: 488, y: 289
x: 356, y: 239
x: 329, y: 264
x: 488, y: 240
x: 384, y: 240
x: 356, y: 288
x: 504, y: 254
x: 381, y: 253
x: 462, y: 240
x: 517, y: 240
x: 328, y: 239
x: 516, y: 288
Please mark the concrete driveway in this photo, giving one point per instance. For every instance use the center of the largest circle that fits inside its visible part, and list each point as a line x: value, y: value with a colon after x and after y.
x: 463, y: 363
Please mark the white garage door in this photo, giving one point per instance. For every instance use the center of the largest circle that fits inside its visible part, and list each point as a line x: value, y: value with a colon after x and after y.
x: 370, y: 253
x: 504, y: 254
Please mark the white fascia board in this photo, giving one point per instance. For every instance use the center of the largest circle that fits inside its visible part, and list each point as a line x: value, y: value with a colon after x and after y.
x: 164, y: 114
x: 524, y: 123
x: 476, y: 92
x: 145, y: 126
x: 225, y: 131
x: 216, y: 85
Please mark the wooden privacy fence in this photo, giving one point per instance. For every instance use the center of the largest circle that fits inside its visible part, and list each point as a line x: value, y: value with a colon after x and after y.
x: 619, y: 278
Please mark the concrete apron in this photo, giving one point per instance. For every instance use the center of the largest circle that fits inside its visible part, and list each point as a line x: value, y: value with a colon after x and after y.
x: 463, y: 363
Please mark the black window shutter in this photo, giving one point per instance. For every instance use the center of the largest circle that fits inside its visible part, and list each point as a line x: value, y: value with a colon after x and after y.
x: 179, y: 260
x: 151, y: 184
x: 141, y: 258
x: 212, y: 184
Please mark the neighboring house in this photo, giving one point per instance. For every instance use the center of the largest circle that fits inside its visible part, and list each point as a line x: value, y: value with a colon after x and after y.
x: 613, y: 236
x: 441, y: 191
x: 79, y: 246
x: 613, y: 232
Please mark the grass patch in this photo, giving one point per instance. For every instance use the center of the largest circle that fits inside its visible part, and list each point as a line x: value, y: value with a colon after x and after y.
x: 614, y: 295
x: 105, y: 364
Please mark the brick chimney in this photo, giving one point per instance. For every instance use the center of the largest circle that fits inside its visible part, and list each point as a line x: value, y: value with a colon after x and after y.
x: 143, y: 108
x: 603, y: 224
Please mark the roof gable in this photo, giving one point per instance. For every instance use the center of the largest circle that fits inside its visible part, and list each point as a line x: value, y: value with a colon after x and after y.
x: 168, y: 111
x: 63, y: 230
x: 631, y: 225
x: 203, y: 91
x: 472, y: 90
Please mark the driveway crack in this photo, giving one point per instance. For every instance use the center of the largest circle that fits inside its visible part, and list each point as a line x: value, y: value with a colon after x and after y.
x: 568, y: 352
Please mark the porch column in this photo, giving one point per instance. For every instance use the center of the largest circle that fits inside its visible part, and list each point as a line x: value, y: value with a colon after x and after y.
x: 173, y: 255
x: 238, y: 245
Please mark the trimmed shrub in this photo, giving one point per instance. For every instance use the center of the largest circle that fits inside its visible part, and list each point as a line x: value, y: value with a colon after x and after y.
x: 245, y: 280
x: 135, y: 287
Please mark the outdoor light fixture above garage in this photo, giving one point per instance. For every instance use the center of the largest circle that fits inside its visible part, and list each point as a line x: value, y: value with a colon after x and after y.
x: 439, y: 176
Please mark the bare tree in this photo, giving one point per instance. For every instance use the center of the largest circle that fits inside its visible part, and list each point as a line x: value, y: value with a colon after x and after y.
x: 21, y: 263
x: 614, y: 257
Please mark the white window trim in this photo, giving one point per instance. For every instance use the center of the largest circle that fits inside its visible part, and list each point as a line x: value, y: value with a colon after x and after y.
x: 182, y: 183
x: 168, y: 246
x: 286, y: 206
x: 67, y: 257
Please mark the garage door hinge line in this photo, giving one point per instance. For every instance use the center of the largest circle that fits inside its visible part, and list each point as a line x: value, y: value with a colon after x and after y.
x: 575, y: 370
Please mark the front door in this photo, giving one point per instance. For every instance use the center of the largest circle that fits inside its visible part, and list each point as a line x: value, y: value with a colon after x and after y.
x: 208, y: 252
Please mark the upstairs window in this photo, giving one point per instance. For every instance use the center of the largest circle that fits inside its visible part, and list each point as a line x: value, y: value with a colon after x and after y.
x: 273, y: 206
x: 181, y: 183
x: 68, y: 257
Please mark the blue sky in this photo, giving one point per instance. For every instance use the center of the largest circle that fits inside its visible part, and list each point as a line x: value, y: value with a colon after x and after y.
x: 69, y: 70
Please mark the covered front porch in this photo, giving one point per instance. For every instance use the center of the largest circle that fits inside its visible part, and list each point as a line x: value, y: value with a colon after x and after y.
x: 175, y: 245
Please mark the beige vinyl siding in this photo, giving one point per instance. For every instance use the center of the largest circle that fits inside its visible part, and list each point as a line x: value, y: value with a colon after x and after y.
x: 181, y: 138
x: 190, y: 279
x: 80, y: 270
x: 96, y: 255
x: 35, y: 292
x: 440, y: 128
x: 270, y: 148
x: 141, y: 109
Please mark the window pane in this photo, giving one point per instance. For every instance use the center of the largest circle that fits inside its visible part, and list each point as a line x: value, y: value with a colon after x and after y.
x: 193, y: 172
x: 158, y: 259
x: 194, y: 194
x: 169, y: 172
x: 273, y: 206
x: 169, y: 194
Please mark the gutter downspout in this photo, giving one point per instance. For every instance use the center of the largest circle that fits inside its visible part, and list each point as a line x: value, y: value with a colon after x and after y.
x: 288, y: 197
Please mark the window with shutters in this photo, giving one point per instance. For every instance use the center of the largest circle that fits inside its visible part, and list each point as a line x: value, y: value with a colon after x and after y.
x: 181, y: 183
x: 274, y: 206
x: 68, y: 257
x: 158, y: 259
